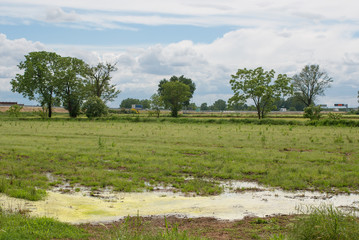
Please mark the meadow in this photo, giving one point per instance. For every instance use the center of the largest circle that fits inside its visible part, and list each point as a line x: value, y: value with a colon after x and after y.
x: 192, y: 157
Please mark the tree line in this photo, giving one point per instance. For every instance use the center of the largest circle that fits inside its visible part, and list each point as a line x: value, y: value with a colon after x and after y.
x: 53, y: 80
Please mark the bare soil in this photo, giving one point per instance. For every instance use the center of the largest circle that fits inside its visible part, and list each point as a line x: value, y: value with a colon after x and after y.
x: 211, y: 228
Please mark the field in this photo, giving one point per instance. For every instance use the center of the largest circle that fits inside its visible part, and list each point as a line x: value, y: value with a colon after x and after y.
x: 192, y: 157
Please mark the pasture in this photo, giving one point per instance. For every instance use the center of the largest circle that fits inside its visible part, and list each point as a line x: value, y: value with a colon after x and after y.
x: 191, y: 157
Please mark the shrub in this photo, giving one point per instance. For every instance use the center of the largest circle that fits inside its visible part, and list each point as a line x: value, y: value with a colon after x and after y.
x: 14, y: 110
x: 95, y: 107
x: 334, y: 116
x: 312, y: 112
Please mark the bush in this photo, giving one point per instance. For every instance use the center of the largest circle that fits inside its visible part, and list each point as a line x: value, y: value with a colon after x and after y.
x: 312, y: 112
x: 334, y: 116
x: 95, y: 107
x: 14, y: 110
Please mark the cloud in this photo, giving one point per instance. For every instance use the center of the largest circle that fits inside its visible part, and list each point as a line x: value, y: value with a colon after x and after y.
x: 112, y: 14
x: 59, y: 15
x: 287, y: 50
x: 12, y: 52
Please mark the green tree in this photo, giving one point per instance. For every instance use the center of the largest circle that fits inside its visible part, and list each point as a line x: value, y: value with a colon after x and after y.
x: 181, y: 79
x: 95, y: 107
x: 174, y: 94
x: 204, y: 107
x: 310, y: 83
x: 70, y: 87
x: 192, y: 106
x: 219, y: 105
x: 257, y: 85
x: 146, y: 103
x: 128, y: 102
x: 38, y: 82
x: 98, y: 81
x: 156, y: 104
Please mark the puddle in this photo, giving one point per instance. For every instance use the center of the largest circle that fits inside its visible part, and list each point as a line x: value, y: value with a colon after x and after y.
x: 82, y: 208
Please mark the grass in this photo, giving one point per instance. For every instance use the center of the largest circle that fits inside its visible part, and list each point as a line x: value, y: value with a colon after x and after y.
x: 192, y: 157
x: 325, y: 222
x: 16, y: 226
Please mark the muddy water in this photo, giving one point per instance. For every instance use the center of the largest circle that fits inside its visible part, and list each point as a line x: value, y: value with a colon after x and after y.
x: 81, y: 208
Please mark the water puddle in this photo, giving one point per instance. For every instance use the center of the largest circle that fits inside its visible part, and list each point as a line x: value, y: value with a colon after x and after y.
x: 82, y: 208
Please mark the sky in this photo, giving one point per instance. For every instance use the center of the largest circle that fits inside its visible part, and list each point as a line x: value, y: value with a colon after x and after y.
x: 206, y: 41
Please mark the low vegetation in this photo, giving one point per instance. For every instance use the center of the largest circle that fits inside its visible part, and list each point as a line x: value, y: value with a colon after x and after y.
x: 192, y: 157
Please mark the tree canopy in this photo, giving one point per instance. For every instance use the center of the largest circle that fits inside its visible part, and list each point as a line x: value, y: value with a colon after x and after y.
x: 39, y: 80
x: 174, y: 94
x: 258, y: 85
x: 53, y: 80
x: 310, y: 83
x: 181, y: 79
x: 98, y: 81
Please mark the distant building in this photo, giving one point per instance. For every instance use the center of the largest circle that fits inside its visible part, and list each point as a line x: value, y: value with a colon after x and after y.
x: 7, y: 104
x: 137, y: 106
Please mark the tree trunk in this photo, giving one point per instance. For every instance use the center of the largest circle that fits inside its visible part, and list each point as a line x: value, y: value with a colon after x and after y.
x: 49, y: 107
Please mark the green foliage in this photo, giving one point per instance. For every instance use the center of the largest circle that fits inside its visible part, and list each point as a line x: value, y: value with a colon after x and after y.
x: 181, y: 79
x: 70, y: 86
x: 310, y: 83
x: 98, y: 81
x: 325, y: 222
x: 219, y: 105
x: 14, y: 110
x: 312, y: 112
x: 95, y: 107
x: 334, y: 116
x: 16, y: 226
x: 128, y: 102
x: 39, y: 80
x: 257, y: 85
x: 175, y: 94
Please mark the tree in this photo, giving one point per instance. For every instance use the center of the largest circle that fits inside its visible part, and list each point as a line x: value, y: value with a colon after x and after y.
x: 95, y: 107
x: 146, y: 103
x: 310, y: 83
x: 174, y: 94
x: 192, y: 106
x: 257, y: 85
x: 98, y: 81
x: 70, y: 87
x: 38, y: 82
x: 156, y: 104
x: 204, y: 107
x: 181, y: 79
x: 219, y: 105
x: 128, y: 102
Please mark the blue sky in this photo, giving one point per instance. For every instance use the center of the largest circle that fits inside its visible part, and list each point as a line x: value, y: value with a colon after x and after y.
x: 207, y: 42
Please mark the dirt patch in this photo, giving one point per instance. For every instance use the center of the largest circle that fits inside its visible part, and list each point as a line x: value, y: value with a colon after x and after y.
x: 247, y: 228
x: 295, y: 150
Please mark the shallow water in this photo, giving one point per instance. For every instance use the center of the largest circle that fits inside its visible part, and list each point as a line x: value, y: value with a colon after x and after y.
x: 82, y: 208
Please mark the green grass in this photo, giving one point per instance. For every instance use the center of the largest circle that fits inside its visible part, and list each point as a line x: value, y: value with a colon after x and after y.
x: 192, y: 156
x: 16, y: 226
x: 325, y: 222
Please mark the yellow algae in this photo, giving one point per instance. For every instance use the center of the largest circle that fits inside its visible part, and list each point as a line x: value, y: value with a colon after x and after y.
x: 77, y: 208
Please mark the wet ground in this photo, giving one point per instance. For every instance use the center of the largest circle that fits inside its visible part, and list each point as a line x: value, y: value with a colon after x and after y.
x: 250, y: 200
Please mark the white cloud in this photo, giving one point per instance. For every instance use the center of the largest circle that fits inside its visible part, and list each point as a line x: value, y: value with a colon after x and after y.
x: 254, y: 13
x: 286, y: 50
x: 12, y: 52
